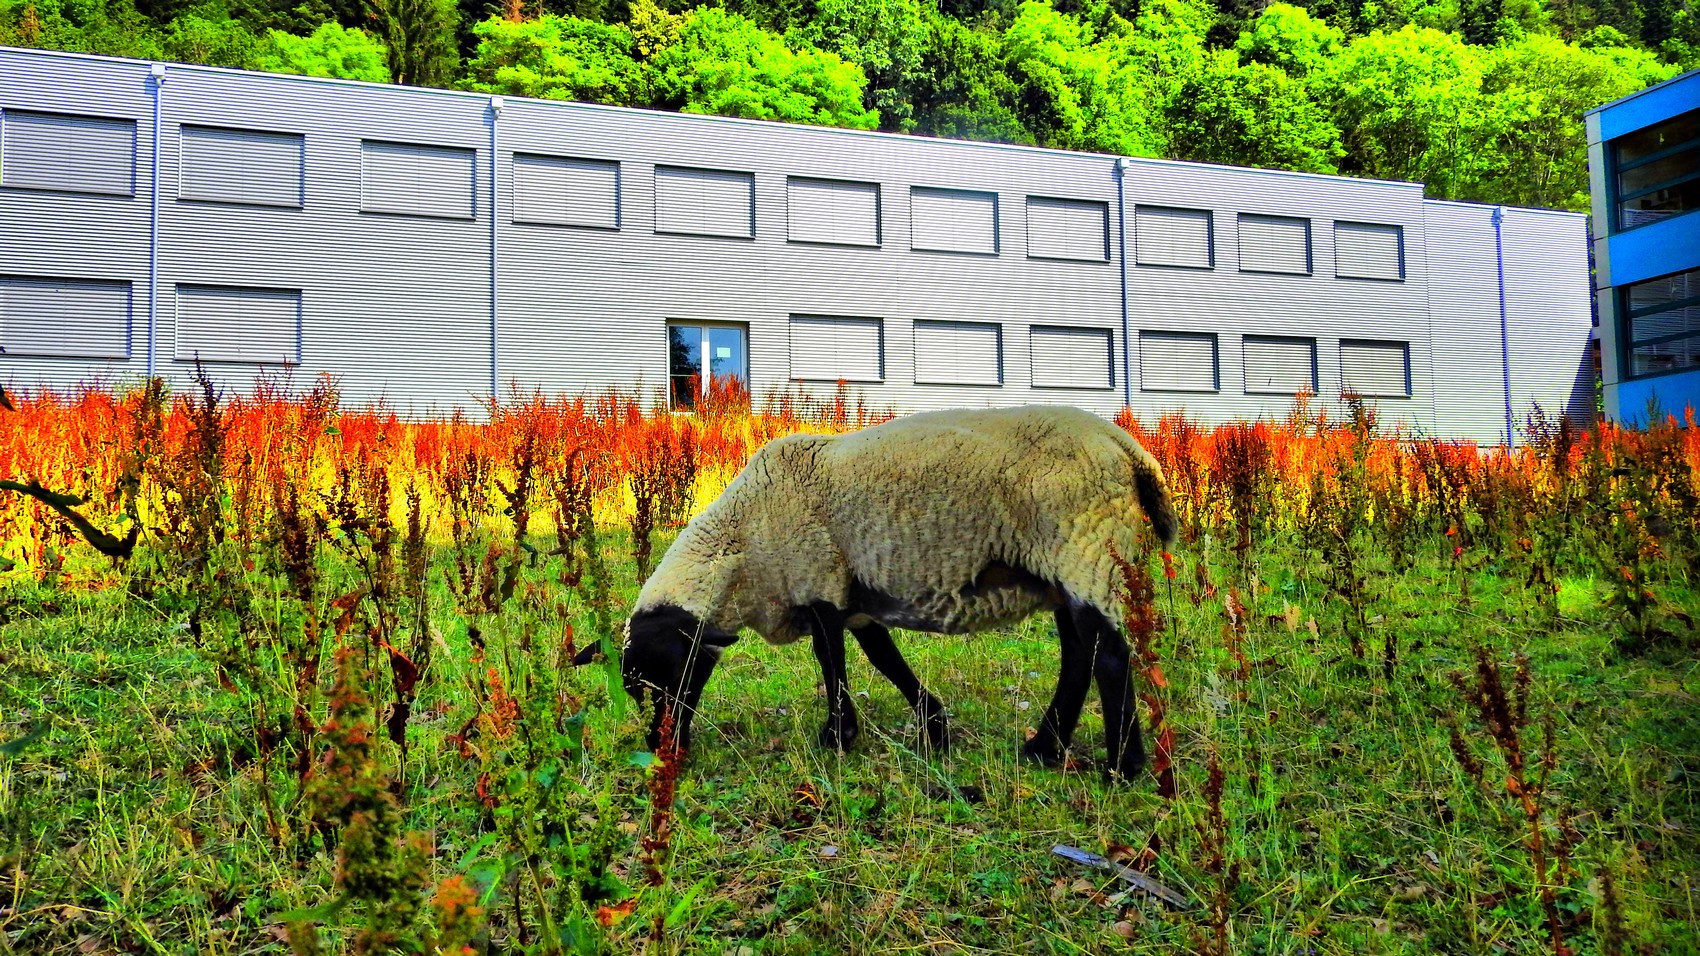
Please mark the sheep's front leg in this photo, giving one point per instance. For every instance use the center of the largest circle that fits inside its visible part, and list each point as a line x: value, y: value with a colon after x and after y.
x: 1074, y: 679
x: 883, y: 654
x: 826, y: 626
x: 1122, y: 739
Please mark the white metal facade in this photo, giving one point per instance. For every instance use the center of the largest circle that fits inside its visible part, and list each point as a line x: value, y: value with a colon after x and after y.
x: 428, y: 247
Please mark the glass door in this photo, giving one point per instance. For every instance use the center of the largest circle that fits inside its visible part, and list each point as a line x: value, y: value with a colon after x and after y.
x: 707, y: 361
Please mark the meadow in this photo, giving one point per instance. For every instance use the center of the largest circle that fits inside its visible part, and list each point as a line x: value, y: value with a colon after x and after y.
x: 278, y: 675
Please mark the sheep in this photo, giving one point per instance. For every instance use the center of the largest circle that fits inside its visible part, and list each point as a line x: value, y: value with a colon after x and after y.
x: 949, y: 522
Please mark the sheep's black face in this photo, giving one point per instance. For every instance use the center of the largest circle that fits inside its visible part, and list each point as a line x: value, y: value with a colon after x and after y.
x: 671, y: 652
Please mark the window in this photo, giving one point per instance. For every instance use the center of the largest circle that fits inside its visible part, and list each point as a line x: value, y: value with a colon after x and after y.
x: 1661, y: 324
x: 1278, y: 365
x: 953, y: 220
x: 73, y: 154
x: 409, y: 180
x: 1066, y: 357
x: 1274, y: 244
x: 833, y: 212
x: 1068, y: 229
x: 1656, y: 171
x: 958, y: 353
x: 705, y: 202
x: 73, y: 318
x: 1364, y: 250
x: 231, y: 324
x: 1375, y: 369
x: 1177, y: 362
x: 557, y: 191
x: 830, y: 348
x: 704, y: 360
x: 1173, y: 237
x: 240, y: 166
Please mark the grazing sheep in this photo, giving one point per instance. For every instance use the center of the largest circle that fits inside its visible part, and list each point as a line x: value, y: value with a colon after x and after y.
x: 951, y: 522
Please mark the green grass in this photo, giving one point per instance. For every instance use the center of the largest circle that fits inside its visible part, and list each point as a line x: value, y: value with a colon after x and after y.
x: 136, y: 821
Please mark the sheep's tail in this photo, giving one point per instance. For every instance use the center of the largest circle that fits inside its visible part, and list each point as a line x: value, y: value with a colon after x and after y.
x: 1154, y: 498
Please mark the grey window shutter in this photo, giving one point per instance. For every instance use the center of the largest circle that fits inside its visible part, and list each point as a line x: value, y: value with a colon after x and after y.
x: 953, y: 220
x: 1279, y: 365
x: 566, y: 192
x: 1068, y: 229
x: 74, y: 318
x: 1274, y: 244
x: 1071, y: 357
x: 1173, y: 237
x: 240, y: 166
x: 831, y: 211
x: 229, y: 324
x: 831, y: 348
x: 705, y: 202
x: 412, y: 180
x: 1368, y: 251
x: 77, y: 154
x: 1375, y: 368
x: 958, y: 353
x: 1177, y: 362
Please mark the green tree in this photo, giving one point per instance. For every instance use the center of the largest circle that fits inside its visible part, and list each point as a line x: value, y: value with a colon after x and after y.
x: 887, y: 39
x: 1252, y: 115
x: 420, y: 38
x: 1290, y: 38
x: 558, y: 58
x: 208, y: 36
x: 332, y: 50
x: 106, y: 27
x: 964, y: 91
x: 1408, y: 105
x: 723, y: 64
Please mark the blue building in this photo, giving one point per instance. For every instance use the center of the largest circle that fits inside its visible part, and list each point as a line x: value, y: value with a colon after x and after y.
x: 1644, y: 164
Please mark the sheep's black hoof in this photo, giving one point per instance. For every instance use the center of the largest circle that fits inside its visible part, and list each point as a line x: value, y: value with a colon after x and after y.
x: 936, y: 727
x: 839, y: 735
x: 1128, y: 771
x: 1043, y: 752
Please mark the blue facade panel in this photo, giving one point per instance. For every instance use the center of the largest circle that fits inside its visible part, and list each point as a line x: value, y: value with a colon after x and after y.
x: 1652, y: 105
x: 1655, y: 250
x: 1666, y: 394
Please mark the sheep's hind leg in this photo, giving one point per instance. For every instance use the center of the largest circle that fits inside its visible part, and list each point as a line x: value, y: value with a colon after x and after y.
x: 826, y: 625
x: 1122, y: 739
x: 1074, y: 679
x: 888, y: 660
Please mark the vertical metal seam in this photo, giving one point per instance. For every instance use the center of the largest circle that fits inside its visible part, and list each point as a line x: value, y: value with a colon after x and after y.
x: 1121, y: 256
x: 1504, y: 326
x: 158, y: 75
x: 495, y: 259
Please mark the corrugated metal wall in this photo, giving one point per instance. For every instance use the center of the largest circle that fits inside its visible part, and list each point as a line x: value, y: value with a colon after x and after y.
x: 410, y: 229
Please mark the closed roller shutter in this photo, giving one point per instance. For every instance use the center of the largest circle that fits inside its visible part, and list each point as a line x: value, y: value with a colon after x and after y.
x: 240, y: 166
x: 958, y: 353
x: 1177, y: 362
x: 1071, y: 357
x: 1282, y: 366
x: 841, y: 213
x: 566, y: 192
x: 953, y: 220
x: 1274, y: 244
x: 831, y: 348
x: 1375, y: 368
x: 1068, y: 229
x: 74, y: 318
x: 78, y: 154
x: 1173, y: 237
x: 1368, y: 251
x: 229, y: 324
x: 705, y: 202
x: 434, y: 181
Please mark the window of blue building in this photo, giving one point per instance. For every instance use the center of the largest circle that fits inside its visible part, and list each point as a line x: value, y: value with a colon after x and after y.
x: 1656, y: 171
x: 1662, y: 324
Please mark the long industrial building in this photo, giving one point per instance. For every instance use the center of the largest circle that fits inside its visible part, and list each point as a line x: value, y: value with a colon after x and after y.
x: 432, y: 248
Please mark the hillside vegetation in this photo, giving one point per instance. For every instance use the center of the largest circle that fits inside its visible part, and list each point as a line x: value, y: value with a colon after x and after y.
x: 1480, y: 99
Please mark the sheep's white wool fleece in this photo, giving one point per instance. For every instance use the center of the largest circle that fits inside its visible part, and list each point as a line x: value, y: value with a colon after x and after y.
x: 916, y: 508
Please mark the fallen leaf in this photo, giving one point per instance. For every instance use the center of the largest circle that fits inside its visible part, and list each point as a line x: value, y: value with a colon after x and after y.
x: 610, y: 916
x: 1124, y: 929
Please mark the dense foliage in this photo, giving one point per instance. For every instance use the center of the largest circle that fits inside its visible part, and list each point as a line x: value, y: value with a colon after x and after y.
x: 1481, y: 99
